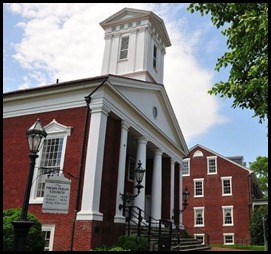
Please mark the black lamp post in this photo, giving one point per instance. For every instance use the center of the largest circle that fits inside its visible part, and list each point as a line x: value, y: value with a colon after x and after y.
x: 185, y: 204
x: 177, y: 212
x: 139, y: 174
x: 35, y: 136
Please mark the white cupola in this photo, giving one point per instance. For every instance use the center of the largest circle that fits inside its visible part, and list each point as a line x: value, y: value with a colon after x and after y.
x: 135, y: 42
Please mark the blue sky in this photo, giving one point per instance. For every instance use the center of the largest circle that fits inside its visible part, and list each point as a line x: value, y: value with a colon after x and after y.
x: 43, y: 42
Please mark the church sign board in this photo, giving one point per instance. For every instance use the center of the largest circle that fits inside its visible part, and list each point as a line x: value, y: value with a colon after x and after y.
x: 56, y: 195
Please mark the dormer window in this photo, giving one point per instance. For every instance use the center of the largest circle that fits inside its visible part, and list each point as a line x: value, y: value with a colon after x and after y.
x: 124, y: 47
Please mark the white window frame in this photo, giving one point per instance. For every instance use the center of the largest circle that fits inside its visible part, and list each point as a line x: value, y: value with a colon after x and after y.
x: 54, y: 130
x: 188, y: 167
x: 198, y: 180
x: 196, y: 209
x: 123, y: 49
x: 229, y: 178
x: 224, y: 208
x: 224, y: 238
x: 201, y: 236
x: 51, y: 228
x: 209, y: 158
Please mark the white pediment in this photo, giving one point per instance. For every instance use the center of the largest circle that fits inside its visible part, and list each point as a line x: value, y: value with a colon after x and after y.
x: 152, y: 101
x: 127, y: 15
x: 124, y: 14
x: 55, y: 127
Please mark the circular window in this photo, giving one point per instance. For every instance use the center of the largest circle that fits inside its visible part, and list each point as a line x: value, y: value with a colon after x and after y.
x: 154, y: 112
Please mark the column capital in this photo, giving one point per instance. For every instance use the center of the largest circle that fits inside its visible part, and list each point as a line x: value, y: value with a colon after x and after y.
x: 172, y: 161
x: 125, y: 124
x: 97, y: 108
x: 142, y: 140
x: 157, y: 151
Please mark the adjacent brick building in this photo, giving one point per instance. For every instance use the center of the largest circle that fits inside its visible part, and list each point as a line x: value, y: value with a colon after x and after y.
x: 222, y: 194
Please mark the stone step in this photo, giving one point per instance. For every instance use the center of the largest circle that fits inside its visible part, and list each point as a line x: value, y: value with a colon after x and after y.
x: 164, y: 243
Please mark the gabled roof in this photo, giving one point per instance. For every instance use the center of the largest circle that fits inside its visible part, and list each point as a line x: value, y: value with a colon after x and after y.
x: 221, y: 156
x: 127, y: 15
x: 132, y: 94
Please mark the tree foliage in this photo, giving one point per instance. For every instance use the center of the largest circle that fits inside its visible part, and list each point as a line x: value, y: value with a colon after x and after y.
x: 246, y: 28
x: 35, y: 239
x: 260, y: 167
x: 256, y: 226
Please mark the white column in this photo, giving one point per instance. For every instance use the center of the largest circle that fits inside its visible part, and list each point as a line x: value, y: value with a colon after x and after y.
x: 156, y: 192
x: 172, y: 177
x: 141, y: 156
x: 94, y: 165
x: 119, y: 218
x: 181, y: 193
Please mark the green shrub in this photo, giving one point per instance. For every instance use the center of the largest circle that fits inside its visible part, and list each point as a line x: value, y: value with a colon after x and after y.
x: 35, y: 239
x: 133, y: 243
x: 114, y: 248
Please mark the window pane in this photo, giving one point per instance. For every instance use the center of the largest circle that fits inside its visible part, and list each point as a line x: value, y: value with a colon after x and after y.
x: 212, y: 165
x: 50, y: 162
x: 198, y: 188
x: 227, y: 186
x: 199, y: 218
x: 228, y: 218
x: 185, y: 168
x: 124, y: 47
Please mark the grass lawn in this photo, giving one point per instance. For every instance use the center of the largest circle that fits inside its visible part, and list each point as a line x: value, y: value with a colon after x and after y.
x: 239, y: 246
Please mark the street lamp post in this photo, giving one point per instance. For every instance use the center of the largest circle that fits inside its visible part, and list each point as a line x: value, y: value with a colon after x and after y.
x: 177, y: 212
x: 128, y: 197
x: 35, y: 136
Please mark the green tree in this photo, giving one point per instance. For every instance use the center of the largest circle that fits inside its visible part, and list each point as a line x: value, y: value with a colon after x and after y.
x: 256, y: 225
x: 260, y: 167
x: 246, y: 28
x: 35, y: 239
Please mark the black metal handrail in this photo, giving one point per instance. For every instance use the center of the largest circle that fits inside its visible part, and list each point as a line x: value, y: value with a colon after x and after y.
x: 158, y: 230
x: 196, y: 230
x: 137, y: 217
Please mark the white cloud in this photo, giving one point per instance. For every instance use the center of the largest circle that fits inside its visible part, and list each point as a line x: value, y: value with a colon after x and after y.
x: 66, y: 42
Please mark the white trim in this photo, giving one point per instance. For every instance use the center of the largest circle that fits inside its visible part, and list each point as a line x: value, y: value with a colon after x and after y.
x: 51, y: 228
x: 208, y: 158
x: 228, y: 234
x: 223, y: 212
x: 188, y: 166
x: 198, y: 180
x: 222, y: 185
x: 54, y: 130
x: 221, y: 156
x: 201, y: 235
x: 195, y: 209
x: 63, y: 97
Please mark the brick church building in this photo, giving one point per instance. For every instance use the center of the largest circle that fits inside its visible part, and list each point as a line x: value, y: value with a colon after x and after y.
x: 98, y: 129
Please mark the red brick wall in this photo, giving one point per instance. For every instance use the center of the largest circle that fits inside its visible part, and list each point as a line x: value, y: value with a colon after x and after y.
x: 166, y: 188
x: 16, y: 166
x: 213, y: 199
x: 109, y: 181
